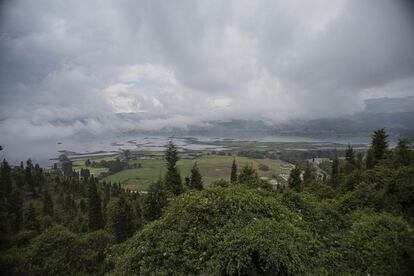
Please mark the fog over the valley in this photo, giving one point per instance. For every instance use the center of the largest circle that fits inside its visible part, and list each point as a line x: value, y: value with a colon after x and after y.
x: 67, y: 67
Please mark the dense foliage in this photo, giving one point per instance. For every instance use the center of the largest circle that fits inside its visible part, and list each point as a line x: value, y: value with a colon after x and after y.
x: 221, y: 230
x: 357, y: 221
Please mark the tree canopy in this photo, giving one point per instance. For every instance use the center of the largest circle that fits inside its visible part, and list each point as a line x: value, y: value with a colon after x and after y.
x: 356, y: 221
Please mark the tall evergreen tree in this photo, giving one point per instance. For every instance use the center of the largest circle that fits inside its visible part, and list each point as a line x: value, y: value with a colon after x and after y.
x: 155, y: 201
x: 294, y: 180
x: 37, y: 178
x: 137, y: 206
x: 309, y: 175
x: 187, y: 181
x: 120, y: 220
x: 247, y: 175
x: 359, y: 160
x: 29, y: 163
x: 350, y: 159
x: 369, y: 159
x: 5, y: 228
x: 48, y: 204
x: 28, y: 176
x: 379, y: 144
x: 196, y: 180
x: 16, y: 210
x: 172, y: 179
x: 233, y: 175
x: 85, y: 173
x: 82, y: 206
x: 87, y: 162
x: 19, y: 178
x: 350, y: 155
x: 127, y: 155
x: 31, y: 220
x: 5, y: 179
x: 402, y: 153
x: 94, y: 207
x: 335, y: 172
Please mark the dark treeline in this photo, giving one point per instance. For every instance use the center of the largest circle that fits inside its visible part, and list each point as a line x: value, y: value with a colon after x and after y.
x: 62, y: 208
x: 113, y: 166
x: 359, y: 220
x: 296, y: 157
x: 36, y: 204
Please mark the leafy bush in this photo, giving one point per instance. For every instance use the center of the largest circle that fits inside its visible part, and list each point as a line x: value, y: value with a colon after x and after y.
x: 378, y: 244
x: 57, y: 251
x: 221, y: 230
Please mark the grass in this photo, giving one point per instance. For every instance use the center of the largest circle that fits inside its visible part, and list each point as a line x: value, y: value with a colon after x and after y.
x: 78, y: 164
x: 212, y: 167
x: 269, y: 146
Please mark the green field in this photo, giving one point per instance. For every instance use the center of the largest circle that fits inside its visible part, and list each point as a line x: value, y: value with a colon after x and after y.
x: 238, y: 145
x: 78, y: 164
x: 212, y: 167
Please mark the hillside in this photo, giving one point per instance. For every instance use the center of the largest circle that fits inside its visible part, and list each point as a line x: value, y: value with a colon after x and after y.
x: 357, y: 220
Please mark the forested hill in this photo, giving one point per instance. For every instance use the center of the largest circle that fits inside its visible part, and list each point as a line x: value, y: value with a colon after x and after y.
x: 358, y: 220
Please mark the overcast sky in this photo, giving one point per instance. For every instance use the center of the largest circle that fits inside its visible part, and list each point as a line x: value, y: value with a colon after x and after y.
x: 68, y: 66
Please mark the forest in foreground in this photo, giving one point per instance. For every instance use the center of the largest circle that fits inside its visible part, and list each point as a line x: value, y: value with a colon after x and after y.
x: 358, y: 220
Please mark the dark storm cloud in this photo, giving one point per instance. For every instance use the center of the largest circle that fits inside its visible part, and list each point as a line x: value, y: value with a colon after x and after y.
x: 67, y: 66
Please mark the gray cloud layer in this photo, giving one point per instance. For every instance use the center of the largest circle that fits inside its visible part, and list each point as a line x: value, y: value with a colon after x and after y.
x: 68, y: 66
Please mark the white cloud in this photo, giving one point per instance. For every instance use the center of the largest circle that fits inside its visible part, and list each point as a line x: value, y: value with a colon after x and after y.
x: 68, y: 66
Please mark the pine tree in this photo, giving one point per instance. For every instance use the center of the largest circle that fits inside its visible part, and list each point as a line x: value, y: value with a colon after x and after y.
x: 94, y: 207
x: 120, y: 219
x: 402, y: 153
x: 137, y: 206
x: 196, y: 180
x: 82, y: 206
x: 16, y: 210
x: 359, y: 160
x: 48, y: 205
x: 31, y: 221
x: 5, y: 179
x: 155, y: 201
x: 127, y: 155
x: 247, y: 175
x: 29, y: 163
x: 5, y: 228
x: 172, y: 179
x: 187, y: 182
x: 294, y: 181
x: 350, y: 159
x: 379, y: 144
x: 28, y: 176
x: 369, y: 159
x: 85, y: 173
x: 87, y: 163
x: 19, y: 178
x: 350, y: 155
x: 233, y: 175
x: 335, y: 172
x: 309, y: 175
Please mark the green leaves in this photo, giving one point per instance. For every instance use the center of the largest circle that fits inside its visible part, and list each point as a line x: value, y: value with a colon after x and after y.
x: 378, y: 244
x: 221, y: 230
x: 120, y: 219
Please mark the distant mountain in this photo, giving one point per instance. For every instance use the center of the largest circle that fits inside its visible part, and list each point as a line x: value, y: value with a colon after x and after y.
x: 390, y: 105
x: 395, y: 114
x: 398, y: 123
